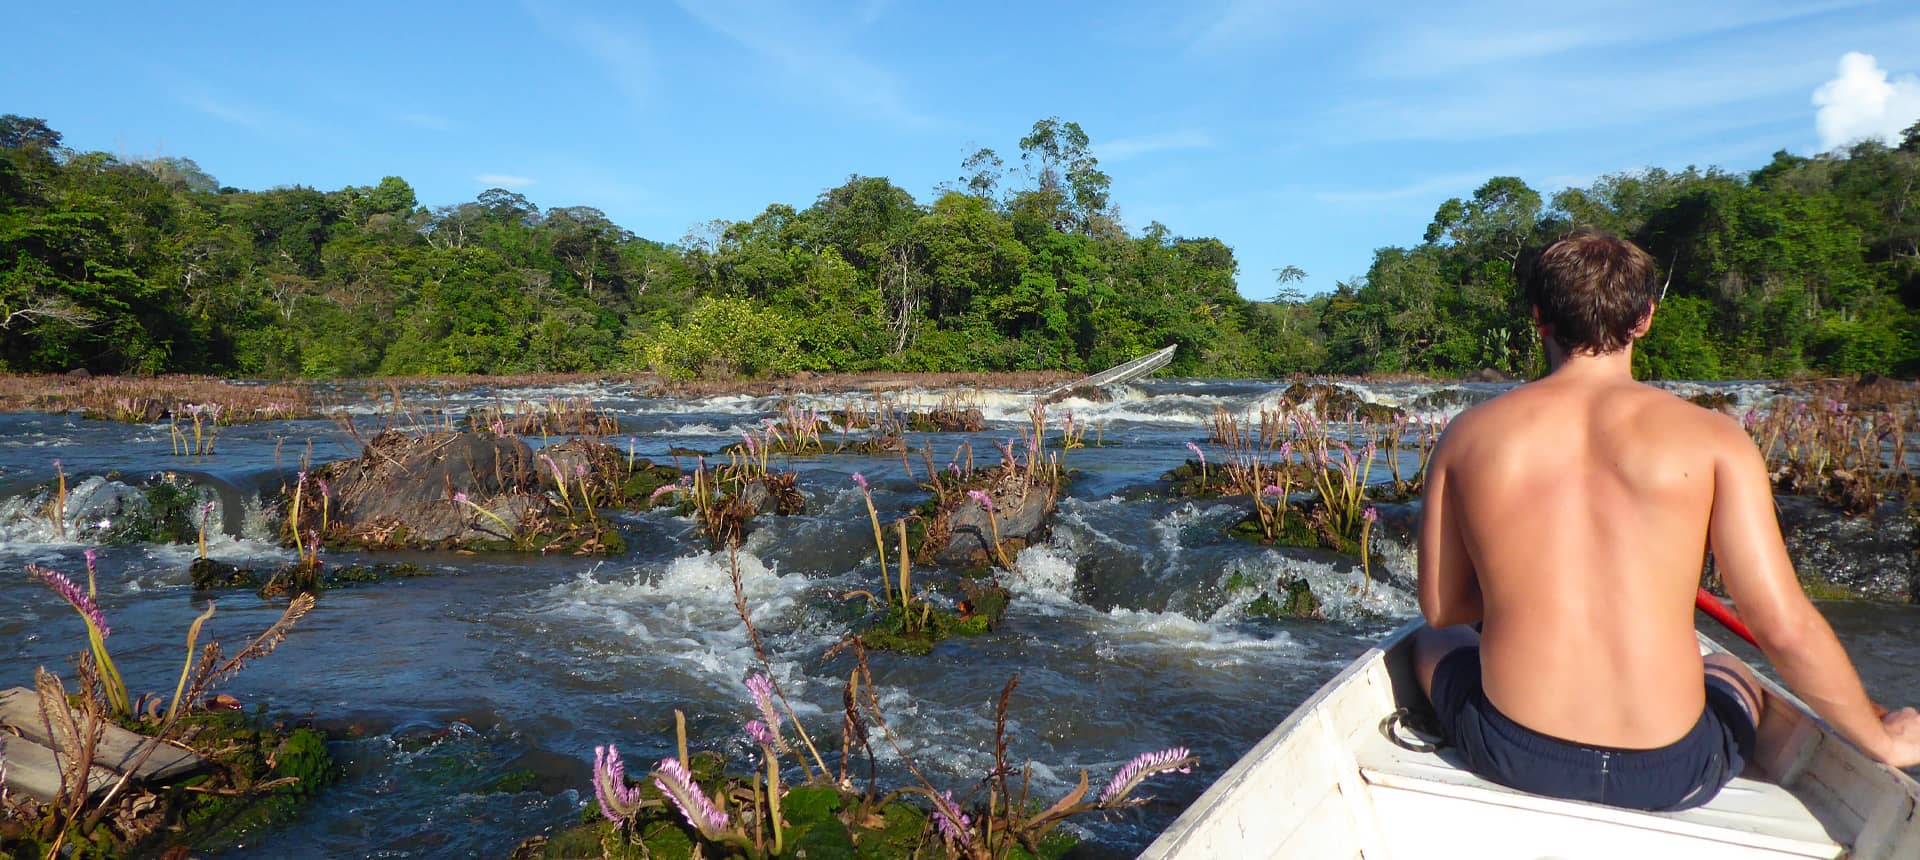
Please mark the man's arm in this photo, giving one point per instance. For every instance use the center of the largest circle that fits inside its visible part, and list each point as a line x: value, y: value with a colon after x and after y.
x: 1752, y: 559
x: 1449, y: 587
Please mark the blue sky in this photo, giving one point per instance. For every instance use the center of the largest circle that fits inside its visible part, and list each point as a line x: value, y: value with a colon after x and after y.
x: 1302, y: 134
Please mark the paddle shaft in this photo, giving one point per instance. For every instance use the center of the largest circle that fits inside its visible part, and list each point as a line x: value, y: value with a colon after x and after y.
x: 1723, y: 613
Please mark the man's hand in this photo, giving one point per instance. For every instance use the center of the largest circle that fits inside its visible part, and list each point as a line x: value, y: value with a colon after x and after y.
x: 1903, y: 735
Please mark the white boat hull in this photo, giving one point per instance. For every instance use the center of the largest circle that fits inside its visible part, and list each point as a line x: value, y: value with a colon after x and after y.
x: 1328, y: 783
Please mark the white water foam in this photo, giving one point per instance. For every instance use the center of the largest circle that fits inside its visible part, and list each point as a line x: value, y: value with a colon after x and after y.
x: 683, y: 618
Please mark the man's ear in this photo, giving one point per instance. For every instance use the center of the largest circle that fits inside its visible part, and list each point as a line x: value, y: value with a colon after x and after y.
x: 1646, y: 322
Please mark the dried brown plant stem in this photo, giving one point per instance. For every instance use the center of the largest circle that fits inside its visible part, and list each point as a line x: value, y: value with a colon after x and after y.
x: 760, y: 651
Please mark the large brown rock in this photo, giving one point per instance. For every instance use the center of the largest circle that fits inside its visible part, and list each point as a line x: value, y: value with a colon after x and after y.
x: 1022, y: 517
x: 403, y: 487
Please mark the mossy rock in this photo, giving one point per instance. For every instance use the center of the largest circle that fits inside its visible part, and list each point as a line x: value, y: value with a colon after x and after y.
x: 637, y: 489
x: 1295, y: 530
x: 1192, y: 481
x: 212, y: 575
x: 929, y: 626
x: 253, y: 752
x: 1297, y: 600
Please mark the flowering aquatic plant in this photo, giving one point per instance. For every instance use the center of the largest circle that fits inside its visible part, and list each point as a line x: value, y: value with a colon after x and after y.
x: 674, y: 781
x: 619, y: 802
x: 97, y: 629
x: 955, y: 825
x: 1142, y: 768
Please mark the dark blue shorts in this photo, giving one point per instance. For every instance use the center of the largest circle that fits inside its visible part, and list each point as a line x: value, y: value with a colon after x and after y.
x: 1681, y: 775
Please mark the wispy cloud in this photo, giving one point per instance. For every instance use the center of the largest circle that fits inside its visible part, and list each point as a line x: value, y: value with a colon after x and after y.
x: 1444, y: 40
x: 1862, y: 103
x: 1134, y: 147
x: 503, y: 180
x: 810, y: 56
x: 1237, y: 24
x: 241, y: 115
x: 1432, y: 188
x: 619, y: 48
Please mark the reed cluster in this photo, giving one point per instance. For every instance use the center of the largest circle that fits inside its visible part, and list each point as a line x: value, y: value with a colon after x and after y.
x: 147, y: 400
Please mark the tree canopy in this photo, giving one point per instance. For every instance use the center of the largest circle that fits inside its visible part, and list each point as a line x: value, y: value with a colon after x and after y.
x: 1805, y: 265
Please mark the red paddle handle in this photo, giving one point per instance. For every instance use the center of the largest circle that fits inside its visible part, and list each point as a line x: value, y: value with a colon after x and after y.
x: 1723, y: 613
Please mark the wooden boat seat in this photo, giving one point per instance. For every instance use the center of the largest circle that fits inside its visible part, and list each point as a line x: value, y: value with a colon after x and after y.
x: 1755, y: 814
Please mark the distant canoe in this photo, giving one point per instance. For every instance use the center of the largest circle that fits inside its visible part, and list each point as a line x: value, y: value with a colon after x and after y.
x: 1329, y: 783
x: 1121, y: 374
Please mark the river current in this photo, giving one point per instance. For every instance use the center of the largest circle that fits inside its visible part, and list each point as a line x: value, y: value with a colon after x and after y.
x: 469, y: 702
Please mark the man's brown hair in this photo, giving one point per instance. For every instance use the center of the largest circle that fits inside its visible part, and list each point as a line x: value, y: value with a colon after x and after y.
x: 1591, y: 290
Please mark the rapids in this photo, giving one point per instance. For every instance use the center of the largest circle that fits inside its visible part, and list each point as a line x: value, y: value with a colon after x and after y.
x: 469, y: 702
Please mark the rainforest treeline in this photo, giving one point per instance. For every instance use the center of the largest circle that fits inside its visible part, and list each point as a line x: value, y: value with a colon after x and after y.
x: 1807, y: 265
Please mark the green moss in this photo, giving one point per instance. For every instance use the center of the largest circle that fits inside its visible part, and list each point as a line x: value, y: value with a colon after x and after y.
x: 901, y: 832
x: 209, y: 575
x: 254, y: 753
x: 1295, y: 530
x: 515, y: 782
x: 636, y: 491
x: 1820, y: 589
x: 1296, y: 600
x: 929, y: 625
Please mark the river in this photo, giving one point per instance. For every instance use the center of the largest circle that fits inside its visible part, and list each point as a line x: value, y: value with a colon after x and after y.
x: 468, y: 703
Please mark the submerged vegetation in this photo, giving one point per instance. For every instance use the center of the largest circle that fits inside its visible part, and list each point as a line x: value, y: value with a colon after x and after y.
x: 151, y: 266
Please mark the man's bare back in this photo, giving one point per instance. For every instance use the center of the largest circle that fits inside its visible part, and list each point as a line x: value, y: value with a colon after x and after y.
x: 1582, y: 507
x: 1570, y: 518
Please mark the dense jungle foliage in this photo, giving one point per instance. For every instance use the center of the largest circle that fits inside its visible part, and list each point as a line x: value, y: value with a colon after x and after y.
x: 1805, y: 265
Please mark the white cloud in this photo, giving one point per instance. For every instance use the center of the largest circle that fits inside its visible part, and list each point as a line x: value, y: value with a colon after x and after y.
x: 503, y: 180
x: 1131, y: 147
x: 1861, y: 102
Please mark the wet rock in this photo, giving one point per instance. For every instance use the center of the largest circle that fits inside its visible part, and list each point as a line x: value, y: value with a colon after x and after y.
x: 1719, y: 401
x: 1089, y: 393
x: 1835, y: 555
x: 1296, y: 600
x: 1449, y: 399
x: 947, y: 421
x: 1021, y: 517
x: 1332, y: 402
x: 402, y: 488
x: 777, y: 493
x: 1488, y: 374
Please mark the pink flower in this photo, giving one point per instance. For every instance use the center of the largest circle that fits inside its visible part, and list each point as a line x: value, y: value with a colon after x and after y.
x: 761, y: 687
x: 955, y: 825
x: 985, y: 500
x: 1143, y: 766
x: 757, y: 729
x: 1198, y: 453
x: 677, y: 784
x: 64, y: 587
x: 1273, y: 491
x: 1371, y: 514
x: 861, y: 480
x: 460, y: 498
x: 619, y: 802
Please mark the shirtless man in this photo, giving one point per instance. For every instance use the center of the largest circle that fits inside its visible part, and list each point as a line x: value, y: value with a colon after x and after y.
x: 1570, y: 517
